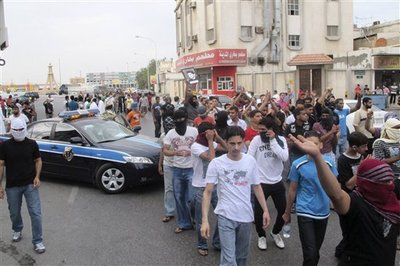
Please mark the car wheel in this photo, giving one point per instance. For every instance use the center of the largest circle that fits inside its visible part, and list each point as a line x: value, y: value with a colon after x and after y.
x: 110, y: 179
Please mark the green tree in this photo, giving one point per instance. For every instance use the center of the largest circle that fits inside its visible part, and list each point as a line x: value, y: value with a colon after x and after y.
x: 142, y: 77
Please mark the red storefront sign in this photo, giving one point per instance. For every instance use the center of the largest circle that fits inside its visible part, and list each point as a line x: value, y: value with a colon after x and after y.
x: 215, y: 57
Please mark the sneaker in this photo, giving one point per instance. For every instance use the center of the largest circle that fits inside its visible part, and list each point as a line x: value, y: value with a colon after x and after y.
x: 278, y: 240
x: 16, y: 236
x: 262, y: 243
x: 39, y: 248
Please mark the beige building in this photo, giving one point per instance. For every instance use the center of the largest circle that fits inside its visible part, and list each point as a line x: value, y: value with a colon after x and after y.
x: 254, y: 43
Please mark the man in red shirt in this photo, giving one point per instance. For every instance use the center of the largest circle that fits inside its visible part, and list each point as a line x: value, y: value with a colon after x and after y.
x: 203, y: 117
x: 252, y: 130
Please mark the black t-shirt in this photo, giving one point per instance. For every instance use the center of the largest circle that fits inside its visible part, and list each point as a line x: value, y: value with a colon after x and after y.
x: 19, y: 161
x: 156, y: 110
x: 346, y: 167
x: 296, y: 130
x: 370, y: 239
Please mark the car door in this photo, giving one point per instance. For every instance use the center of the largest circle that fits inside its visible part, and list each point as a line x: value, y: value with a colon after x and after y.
x: 41, y: 132
x: 72, y: 161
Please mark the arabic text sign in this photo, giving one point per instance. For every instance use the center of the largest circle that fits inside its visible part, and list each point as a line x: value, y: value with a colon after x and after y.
x: 215, y: 57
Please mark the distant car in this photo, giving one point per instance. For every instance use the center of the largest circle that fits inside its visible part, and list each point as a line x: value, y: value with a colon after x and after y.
x: 51, y: 93
x: 222, y: 99
x: 32, y: 94
x: 379, y: 115
x: 82, y: 147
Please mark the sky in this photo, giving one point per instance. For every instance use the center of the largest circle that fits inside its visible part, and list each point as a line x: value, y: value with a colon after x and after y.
x: 78, y: 37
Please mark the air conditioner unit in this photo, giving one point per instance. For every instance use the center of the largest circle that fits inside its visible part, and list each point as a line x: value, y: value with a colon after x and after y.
x: 259, y: 30
x: 192, y: 4
x: 179, y: 44
x: 194, y: 38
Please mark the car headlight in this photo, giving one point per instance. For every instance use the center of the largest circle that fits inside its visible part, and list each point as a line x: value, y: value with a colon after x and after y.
x: 134, y: 159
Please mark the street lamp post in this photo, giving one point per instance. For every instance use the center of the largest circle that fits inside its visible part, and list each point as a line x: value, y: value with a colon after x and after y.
x: 155, y: 53
x: 148, y: 72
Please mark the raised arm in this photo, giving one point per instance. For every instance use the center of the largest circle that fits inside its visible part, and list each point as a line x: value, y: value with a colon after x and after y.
x: 329, y: 182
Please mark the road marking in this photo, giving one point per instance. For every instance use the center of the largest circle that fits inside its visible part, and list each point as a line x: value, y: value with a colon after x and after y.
x: 72, y: 195
x: 20, y: 258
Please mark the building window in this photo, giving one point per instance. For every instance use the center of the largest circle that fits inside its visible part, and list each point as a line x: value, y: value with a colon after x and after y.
x: 332, y: 31
x: 293, y: 7
x: 210, y: 35
x: 225, y: 83
x: 246, y: 32
x: 294, y: 40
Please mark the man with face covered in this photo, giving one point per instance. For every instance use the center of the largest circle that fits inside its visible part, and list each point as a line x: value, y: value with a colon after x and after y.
x: 21, y: 158
x: 328, y: 132
x: 17, y: 114
x: 177, y: 143
x: 270, y: 151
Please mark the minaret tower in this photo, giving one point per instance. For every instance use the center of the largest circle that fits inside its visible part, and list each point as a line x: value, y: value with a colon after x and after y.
x: 51, y: 83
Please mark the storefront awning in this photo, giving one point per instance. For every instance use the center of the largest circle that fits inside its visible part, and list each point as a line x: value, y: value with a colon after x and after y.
x: 310, y: 59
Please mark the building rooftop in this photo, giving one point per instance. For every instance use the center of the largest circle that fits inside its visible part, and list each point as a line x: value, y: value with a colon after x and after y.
x: 310, y: 59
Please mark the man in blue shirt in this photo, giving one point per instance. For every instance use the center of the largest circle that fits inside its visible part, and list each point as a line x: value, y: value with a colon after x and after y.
x: 312, y: 203
x: 342, y: 114
x: 72, y: 105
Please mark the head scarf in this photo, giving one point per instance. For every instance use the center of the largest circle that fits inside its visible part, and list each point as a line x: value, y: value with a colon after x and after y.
x: 390, y: 134
x: 375, y: 185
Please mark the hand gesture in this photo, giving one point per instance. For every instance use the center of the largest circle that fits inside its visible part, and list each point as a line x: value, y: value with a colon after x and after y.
x: 205, y: 230
x: 160, y: 170
x: 210, y: 135
x: 305, y: 145
x: 36, y: 182
x: 271, y: 134
x: 286, y: 217
x: 266, y: 220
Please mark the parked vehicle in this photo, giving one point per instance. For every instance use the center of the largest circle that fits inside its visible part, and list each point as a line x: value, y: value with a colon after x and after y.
x: 80, y: 146
x: 32, y: 94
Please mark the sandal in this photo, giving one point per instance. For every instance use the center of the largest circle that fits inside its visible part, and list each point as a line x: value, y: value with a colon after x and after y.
x: 202, y: 252
x: 178, y: 230
x: 166, y: 219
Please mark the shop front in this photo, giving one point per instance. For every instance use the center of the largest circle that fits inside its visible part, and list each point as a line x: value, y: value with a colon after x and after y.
x: 216, y: 69
x: 387, y: 69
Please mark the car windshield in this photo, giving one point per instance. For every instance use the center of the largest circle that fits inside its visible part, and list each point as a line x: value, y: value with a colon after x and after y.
x: 107, y: 131
x: 374, y: 107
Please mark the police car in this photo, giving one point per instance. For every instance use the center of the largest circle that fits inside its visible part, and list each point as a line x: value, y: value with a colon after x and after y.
x: 78, y: 145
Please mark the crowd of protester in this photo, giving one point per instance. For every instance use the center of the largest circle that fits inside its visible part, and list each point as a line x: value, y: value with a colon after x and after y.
x: 233, y: 158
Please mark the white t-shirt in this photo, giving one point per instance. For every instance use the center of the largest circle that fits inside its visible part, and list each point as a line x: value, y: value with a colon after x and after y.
x: 101, y: 107
x: 184, y: 143
x: 198, y: 179
x: 290, y: 119
x: 93, y: 105
x: 241, y: 123
x: 21, y: 116
x: 270, y: 158
x: 167, y: 159
x: 234, y: 179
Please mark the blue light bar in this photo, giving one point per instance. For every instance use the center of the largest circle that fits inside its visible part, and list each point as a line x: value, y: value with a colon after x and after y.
x: 80, y: 112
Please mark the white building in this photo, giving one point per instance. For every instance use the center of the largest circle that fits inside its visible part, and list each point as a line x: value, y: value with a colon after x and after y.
x: 254, y: 43
x: 111, y: 79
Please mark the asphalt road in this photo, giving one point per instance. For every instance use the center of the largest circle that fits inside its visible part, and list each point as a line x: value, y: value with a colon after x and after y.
x: 83, y: 226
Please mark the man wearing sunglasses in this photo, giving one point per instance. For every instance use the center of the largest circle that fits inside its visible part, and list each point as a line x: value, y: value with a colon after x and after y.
x: 21, y: 158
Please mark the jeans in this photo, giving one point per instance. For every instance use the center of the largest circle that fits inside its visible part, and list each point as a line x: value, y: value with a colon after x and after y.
x: 14, y: 199
x: 169, y: 200
x: 198, y: 199
x: 157, y: 127
x: 341, y: 145
x: 392, y: 98
x: 312, y: 234
x: 277, y: 192
x: 235, y: 241
x: 182, y: 182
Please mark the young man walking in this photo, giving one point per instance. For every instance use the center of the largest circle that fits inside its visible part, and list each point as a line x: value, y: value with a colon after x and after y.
x: 177, y: 143
x: 271, y: 152
x: 235, y: 173
x: 312, y: 203
x: 21, y: 158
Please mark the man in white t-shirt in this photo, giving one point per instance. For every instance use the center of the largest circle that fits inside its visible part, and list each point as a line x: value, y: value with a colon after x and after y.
x: 180, y: 139
x: 16, y: 114
x: 203, y: 151
x: 234, y: 118
x: 235, y: 173
x: 271, y: 152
